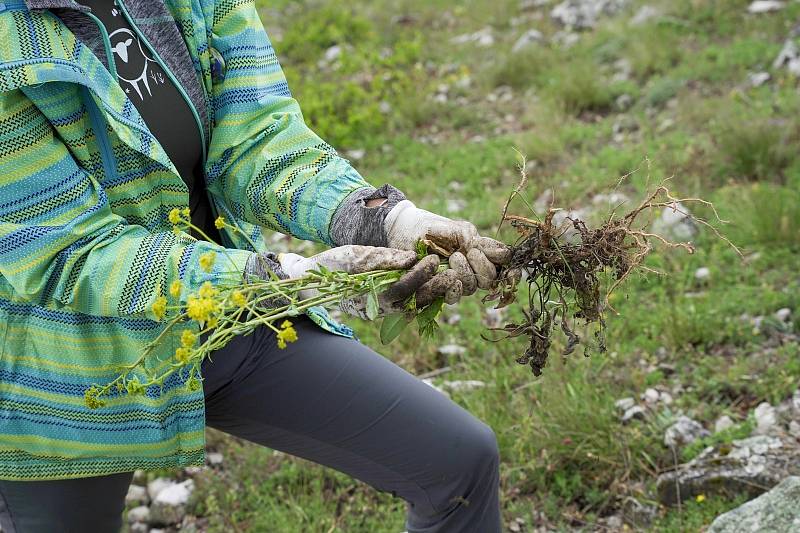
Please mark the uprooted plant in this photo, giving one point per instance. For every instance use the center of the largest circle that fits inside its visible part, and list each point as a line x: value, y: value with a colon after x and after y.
x: 563, y: 262
x: 564, y: 266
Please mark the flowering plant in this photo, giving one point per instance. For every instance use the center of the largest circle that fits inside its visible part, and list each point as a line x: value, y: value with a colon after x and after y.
x: 215, y: 314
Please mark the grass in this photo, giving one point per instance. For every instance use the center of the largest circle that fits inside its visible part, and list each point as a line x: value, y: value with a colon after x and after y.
x: 564, y: 451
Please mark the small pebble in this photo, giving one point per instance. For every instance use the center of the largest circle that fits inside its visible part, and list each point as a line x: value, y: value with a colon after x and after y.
x: 702, y: 274
x: 783, y: 315
x: 724, y: 422
x: 637, y: 412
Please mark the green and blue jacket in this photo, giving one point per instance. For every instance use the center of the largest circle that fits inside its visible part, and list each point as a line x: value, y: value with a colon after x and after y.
x: 86, y: 246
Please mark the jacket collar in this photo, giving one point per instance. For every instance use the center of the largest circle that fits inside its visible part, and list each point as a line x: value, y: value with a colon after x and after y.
x: 55, y: 4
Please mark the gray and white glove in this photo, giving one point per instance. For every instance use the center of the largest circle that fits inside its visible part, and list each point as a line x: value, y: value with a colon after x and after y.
x: 473, y: 259
x: 355, y: 259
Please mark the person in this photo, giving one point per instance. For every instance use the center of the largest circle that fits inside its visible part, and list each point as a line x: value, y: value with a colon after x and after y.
x: 112, y: 115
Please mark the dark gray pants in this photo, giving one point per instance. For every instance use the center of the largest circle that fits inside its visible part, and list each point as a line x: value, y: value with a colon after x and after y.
x: 330, y: 400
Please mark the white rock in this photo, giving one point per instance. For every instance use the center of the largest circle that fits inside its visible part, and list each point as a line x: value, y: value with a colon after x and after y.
x: 675, y: 222
x: 385, y: 107
x: 176, y: 494
x: 796, y: 402
x: 650, y: 396
x: 788, y: 57
x: 623, y: 102
x: 451, y: 349
x: 494, y: 318
x: 794, y: 429
x: 724, y: 422
x: 455, y: 205
x: 169, y: 507
x: 636, y: 412
x: 684, y: 431
x: 665, y: 398
x: 356, y: 155
x: 139, y: 514
x: 764, y: 6
x: 482, y: 37
x: 645, y: 14
x: 702, y: 273
x: 783, y: 315
x: 214, y: 458
x: 136, y: 495
x: 583, y: 14
x: 155, y: 487
x: 566, y: 38
x: 463, y: 385
x: 613, y: 199
x: 766, y: 418
x: 530, y: 5
x: 527, y: 39
x: 333, y: 53
x: 623, y: 404
x: 757, y: 79
x: 138, y: 527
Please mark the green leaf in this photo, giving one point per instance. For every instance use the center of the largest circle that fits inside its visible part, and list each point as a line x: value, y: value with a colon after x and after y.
x: 426, y: 319
x: 393, y: 326
x: 372, y: 305
x: 421, y: 248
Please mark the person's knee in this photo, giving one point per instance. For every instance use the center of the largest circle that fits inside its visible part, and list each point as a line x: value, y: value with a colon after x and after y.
x: 485, y: 450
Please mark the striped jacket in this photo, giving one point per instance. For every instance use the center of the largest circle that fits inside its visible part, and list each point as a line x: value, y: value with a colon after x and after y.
x: 85, y: 242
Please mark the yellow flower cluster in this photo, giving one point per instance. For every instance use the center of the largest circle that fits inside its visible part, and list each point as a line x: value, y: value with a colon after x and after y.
x: 160, y: 307
x: 175, y: 288
x: 90, y: 398
x: 207, y: 261
x: 238, y: 298
x: 286, y: 334
x: 177, y: 215
x: 182, y: 355
x: 201, y: 309
x: 219, y: 223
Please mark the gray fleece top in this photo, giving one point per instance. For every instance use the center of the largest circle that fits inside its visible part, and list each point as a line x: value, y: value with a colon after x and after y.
x: 353, y: 222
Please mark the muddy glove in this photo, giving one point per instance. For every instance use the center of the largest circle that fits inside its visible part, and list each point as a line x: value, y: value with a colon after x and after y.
x: 355, y: 259
x: 474, y: 259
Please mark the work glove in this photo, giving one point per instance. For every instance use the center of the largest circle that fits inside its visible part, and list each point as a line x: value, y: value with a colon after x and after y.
x: 473, y: 259
x: 355, y: 259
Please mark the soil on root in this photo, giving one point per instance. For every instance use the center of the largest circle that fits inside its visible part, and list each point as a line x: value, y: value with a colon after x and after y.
x: 564, y: 265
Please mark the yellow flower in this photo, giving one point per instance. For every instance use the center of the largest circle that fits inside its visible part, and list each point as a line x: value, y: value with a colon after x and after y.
x: 160, y: 307
x: 219, y: 223
x: 188, y: 338
x: 207, y: 290
x: 175, y: 288
x: 212, y: 322
x: 700, y: 498
x: 182, y: 355
x: 185, y: 213
x: 200, y: 309
x: 90, y: 398
x: 134, y: 386
x: 286, y: 334
x: 207, y: 261
x: 239, y: 298
x: 175, y: 216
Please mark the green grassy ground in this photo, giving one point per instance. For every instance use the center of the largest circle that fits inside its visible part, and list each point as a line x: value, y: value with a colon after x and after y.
x: 567, y: 460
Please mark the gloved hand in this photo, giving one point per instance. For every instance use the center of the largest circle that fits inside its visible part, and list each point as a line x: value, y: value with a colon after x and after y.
x: 474, y: 259
x: 355, y: 259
